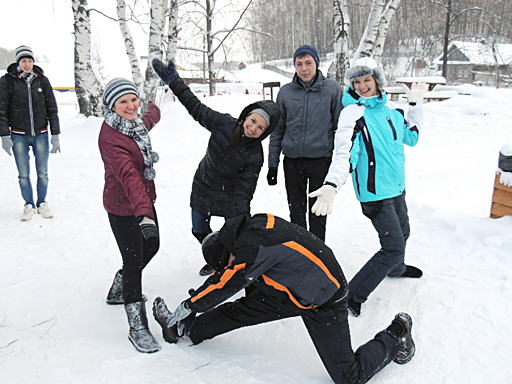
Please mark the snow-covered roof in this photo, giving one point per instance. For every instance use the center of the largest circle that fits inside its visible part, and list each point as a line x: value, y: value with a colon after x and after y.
x: 479, y: 53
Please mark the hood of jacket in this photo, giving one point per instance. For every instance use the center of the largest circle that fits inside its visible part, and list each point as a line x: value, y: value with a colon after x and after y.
x: 231, y: 230
x: 271, y: 108
x: 13, y: 71
x: 351, y: 97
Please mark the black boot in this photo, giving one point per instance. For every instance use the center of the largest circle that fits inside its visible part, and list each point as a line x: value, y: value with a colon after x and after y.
x: 354, y: 307
x: 401, y: 327
x: 411, y: 271
x: 115, y: 294
x: 139, y: 333
x: 206, y: 270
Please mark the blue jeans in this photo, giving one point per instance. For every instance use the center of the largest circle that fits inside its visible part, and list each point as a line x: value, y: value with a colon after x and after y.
x: 41, y: 149
x: 201, y: 222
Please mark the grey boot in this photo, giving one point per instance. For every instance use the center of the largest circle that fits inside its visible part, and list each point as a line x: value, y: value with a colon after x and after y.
x: 115, y: 294
x: 139, y: 333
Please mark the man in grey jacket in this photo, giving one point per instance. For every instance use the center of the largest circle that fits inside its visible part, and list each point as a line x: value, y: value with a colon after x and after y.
x: 310, y: 107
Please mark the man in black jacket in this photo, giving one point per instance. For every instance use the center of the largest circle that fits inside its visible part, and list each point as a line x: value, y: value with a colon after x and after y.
x: 310, y: 106
x: 291, y: 273
x: 27, y: 105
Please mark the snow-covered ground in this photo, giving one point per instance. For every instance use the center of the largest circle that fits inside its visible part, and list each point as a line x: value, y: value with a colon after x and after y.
x: 54, y: 274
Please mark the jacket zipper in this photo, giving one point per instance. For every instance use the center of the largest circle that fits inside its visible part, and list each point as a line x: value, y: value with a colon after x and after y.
x: 32, y: 129
x: 392, y: 127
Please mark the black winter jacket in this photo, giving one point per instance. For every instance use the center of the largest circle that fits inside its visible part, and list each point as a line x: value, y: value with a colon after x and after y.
x: 278, y: 257
x: 27, y: 108
x: 226, y: 177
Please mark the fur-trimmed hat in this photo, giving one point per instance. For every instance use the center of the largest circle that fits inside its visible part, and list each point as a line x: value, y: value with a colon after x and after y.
x: 214, y: 252
x: 366, y: 66
x: 21, y: 52
x: 310, y: 51
x: 115, y: 89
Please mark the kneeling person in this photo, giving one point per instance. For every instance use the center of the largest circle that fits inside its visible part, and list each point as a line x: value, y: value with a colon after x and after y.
x: 292, y: 273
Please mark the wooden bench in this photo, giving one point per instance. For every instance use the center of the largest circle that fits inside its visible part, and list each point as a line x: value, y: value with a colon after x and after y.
x: 431, y: 81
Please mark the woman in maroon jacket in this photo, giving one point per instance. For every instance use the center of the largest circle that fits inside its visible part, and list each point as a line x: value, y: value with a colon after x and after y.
x: 128, y: 197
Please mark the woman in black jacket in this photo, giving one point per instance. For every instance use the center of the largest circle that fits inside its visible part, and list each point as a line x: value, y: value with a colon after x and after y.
x: 226, y: 177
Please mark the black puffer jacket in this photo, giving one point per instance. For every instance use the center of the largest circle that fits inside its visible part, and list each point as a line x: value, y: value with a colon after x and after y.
x: 27, y: 109
x: 226, y: 177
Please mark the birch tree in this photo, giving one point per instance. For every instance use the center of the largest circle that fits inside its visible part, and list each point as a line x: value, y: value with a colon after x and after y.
x: 341, y: 39
x: 87, y: 86
x: 367, y: 42
x: 385, y: 19
x: 129, y: 44
x: 155, y: 37
x: 172, y: 34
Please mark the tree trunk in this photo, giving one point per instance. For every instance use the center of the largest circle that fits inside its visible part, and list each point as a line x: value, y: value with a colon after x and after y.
x: 209, y: 48
x: 130, y: 46
x: 154, y: 52
x: 446, y: 40
x: 385, y: 19
x: 172, y: 34
x: 87, y: 86
x: 367, y: 43
x: 341, y: 49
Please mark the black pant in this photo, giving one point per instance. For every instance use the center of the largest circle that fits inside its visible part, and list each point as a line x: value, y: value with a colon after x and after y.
x: 136, y: 251
x: 297, y: 174
x: 327, y: 326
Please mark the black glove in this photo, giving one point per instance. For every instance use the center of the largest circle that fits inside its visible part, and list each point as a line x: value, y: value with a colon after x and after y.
x: 168, y: 73
x: 272, y: 176
x: 148, y: 227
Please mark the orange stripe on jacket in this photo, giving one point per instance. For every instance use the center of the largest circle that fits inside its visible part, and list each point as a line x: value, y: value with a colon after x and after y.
x: 299, y: 248
x: 226, y: 276
x: 271, y: 221
x: 282, y: 288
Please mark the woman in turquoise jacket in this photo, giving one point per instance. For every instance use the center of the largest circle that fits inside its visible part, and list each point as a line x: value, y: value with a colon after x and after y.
x: 370, y: 144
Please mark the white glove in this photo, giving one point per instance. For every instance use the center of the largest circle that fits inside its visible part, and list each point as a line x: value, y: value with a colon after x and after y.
x: 7, y: 144
x: 325, y: 200
x: 180, y: 313
x: 416, y: 92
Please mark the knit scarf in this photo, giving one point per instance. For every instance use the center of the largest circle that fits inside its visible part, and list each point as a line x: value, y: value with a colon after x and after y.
x: 136, y: 129
x: 28, y: 77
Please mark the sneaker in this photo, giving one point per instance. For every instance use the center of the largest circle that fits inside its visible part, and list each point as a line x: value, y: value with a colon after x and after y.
x: 44, y: 210
x: 162, y: 314
x: 28, y: 212
x: 407, y: 347
x: 206, y: 270
x: 354, y: 307
x: 411, y: 271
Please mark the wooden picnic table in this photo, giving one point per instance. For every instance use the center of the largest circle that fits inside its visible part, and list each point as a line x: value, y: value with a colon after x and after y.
x: 431, y: 81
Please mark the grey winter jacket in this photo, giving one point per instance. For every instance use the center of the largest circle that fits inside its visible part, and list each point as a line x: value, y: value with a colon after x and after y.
x: 309, y: 119
x: 27, y: 109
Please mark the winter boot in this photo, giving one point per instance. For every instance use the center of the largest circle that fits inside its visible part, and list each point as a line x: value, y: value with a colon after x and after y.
x: 139, y: 333
x: 354, y: 307
x: 162, y: 314
x: 206, y: 270
x: 115, y: 294
x: 411, y: 271
x: 403, y: 332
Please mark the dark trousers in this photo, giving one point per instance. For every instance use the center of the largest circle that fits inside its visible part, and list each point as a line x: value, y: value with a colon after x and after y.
x: 327, y: 326
x: 136, y: 251
x: 391, y: 221
x: 299, y: 175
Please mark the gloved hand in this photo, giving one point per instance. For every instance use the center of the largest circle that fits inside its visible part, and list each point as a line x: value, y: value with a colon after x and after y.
x: 416, y: 92
x: 55, y: 144
x: 272, y: 176
x: 168, y: 73
x: 7, y: 144
x: 325, y: 200
x: 180, y: 313
x: 148, y: 227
